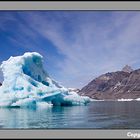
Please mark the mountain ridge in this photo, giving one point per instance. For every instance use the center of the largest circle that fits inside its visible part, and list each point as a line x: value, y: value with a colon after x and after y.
x: 114, y: 85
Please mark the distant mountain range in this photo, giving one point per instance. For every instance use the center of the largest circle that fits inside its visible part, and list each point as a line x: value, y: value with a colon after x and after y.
x: 114, y: 85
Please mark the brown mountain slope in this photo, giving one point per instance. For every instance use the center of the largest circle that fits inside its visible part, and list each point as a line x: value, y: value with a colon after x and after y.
x: 114, y: 85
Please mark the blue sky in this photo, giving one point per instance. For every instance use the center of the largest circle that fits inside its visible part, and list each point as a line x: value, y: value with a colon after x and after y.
x: 77, y: 46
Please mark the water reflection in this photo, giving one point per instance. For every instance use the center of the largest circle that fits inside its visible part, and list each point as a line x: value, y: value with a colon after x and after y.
x: 95, y: 115
x: 56, y: 117
x: 117, y: 114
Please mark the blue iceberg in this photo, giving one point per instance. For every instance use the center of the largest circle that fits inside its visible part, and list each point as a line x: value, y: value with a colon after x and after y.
x: 27, y: 84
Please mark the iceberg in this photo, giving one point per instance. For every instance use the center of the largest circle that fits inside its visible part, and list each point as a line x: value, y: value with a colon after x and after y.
x: 27, y: 84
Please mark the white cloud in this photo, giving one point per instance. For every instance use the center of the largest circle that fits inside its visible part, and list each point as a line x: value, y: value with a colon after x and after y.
x: 89, y: 48
x: 93, y: 43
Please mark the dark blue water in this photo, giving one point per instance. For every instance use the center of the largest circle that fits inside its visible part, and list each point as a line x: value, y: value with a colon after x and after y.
x: 101, y: 114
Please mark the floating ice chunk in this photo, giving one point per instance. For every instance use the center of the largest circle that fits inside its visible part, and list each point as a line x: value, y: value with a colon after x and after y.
x: 138, y: 99
x: 27, y: 84
x: 125, y: 99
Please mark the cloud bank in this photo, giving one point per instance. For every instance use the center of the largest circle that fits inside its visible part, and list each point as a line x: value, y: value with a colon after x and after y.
x: 82, y: 44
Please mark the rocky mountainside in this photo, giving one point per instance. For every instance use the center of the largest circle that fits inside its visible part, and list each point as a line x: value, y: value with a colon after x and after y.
x: 127, y: 69
x: 114, y: 85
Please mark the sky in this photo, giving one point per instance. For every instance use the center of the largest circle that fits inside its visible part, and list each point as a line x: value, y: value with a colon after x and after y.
x: 77, y: 46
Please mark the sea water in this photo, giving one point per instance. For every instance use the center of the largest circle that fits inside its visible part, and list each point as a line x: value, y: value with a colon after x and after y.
x: 95, y: 115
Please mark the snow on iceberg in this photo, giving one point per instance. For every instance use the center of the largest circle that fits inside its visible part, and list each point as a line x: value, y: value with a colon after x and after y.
x: 27, y: 84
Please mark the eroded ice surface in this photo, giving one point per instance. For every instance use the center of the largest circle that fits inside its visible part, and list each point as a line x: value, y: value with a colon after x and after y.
x: 27, y: 84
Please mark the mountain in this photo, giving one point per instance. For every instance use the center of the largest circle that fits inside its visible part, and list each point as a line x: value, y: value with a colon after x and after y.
x: 127, y: 69
x: 114, y: 85
x: 0, y: 84
x: 73, y: 90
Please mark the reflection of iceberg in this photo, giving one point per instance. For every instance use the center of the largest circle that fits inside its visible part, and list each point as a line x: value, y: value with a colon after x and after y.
x: 26, y: 84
